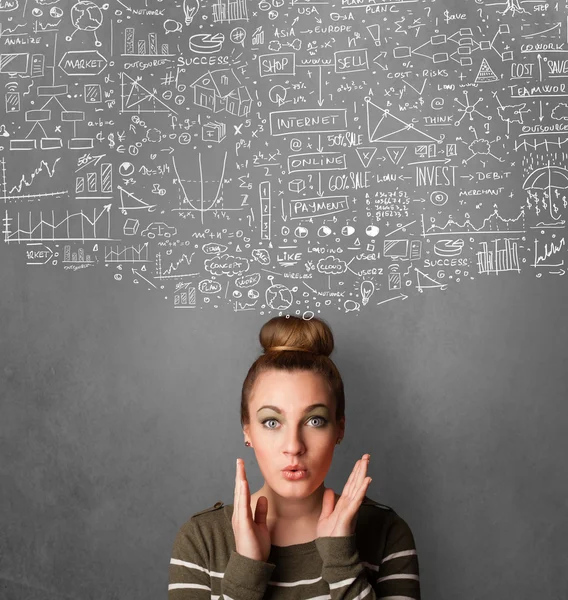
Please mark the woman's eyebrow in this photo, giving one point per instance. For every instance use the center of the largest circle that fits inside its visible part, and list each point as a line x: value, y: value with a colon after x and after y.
x: 276, y: 409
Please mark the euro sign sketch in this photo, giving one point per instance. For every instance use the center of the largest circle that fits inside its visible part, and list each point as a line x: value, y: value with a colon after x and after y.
x: 190, y: 8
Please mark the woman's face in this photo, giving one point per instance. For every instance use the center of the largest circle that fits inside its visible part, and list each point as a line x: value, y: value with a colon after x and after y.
x: 296, y: 434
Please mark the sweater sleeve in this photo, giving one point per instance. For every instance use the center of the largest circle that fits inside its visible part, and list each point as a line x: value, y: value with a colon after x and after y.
x: 191, y: 579
x: 246, y: 578
x: 398, y: 571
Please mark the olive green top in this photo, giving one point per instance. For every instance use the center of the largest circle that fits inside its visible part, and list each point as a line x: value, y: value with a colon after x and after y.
x: 379, y: 561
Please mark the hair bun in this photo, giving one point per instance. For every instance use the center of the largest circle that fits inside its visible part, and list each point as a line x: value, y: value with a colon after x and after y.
x: 291, y: 332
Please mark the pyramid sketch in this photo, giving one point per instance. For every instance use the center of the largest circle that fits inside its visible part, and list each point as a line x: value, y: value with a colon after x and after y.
x: 485, y: 73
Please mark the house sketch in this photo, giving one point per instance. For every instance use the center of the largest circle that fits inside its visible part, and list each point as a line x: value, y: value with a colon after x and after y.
x: 222, y: 90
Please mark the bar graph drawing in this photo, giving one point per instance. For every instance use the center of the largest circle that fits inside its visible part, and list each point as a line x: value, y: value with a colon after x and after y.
x: 77, y: 257
x: 499, y: 260
x: 96, y: 184
x: 143, y: 46
x: 184, y: 295
x: 225, y: 11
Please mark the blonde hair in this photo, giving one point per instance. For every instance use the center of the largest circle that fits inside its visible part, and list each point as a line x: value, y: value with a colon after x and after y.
x: 294, y: 344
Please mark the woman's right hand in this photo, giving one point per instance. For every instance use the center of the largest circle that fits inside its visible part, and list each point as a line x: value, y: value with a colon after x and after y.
x: 251, y: 536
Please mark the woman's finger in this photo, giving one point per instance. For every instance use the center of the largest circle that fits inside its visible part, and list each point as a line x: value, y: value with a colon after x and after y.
x: 245, y: 496
x: 347, y: 485
x: 362, y: 472
x: 362, y: 480
x: 242, y: 504
x: 237, y: 490
x: 352, y: 481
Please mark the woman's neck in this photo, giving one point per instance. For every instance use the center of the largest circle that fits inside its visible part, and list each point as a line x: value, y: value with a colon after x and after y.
x: 290, y: 510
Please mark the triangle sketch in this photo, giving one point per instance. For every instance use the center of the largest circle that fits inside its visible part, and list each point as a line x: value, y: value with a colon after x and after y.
x: 420, y: 276
x: 485, y: 73
x: 396, y: 153
x: 139, y: 99
x: 383, y: 126
x: 133, y: 203
x: 365, y: 154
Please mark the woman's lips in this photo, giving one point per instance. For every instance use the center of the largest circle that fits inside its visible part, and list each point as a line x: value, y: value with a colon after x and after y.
x: 295, y: 475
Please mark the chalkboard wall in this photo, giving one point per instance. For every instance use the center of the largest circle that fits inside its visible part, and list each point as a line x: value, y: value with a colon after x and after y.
x: 398, y: 168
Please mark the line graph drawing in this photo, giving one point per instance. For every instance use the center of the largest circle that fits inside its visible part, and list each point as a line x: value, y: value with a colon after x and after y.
x: 8, y: 195
x: 494, y: 223
x: 130, y: 254
x: 552, y: 249
x: 170, y: 272
x: 73, y: 227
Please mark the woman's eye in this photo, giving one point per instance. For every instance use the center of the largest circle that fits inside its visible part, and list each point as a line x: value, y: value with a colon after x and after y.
x: 322, y: 419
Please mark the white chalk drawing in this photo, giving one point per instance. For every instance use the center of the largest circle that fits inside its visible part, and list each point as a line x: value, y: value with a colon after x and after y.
x: 286, y: 158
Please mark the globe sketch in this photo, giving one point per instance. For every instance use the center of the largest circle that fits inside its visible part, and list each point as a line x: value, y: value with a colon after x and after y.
x: 279, y: 297
x: 86, y: 15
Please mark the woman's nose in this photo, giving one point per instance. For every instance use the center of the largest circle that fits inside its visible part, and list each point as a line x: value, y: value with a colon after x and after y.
x: 294, y: 443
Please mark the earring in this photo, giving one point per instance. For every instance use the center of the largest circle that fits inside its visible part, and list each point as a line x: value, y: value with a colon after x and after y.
x: 247, y: 443
x: 338, y: 441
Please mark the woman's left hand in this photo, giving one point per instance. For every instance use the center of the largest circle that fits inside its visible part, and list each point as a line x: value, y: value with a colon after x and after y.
x: 341, y: 520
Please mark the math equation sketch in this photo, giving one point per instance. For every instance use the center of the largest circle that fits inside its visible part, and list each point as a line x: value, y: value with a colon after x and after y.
x: 285, y: 155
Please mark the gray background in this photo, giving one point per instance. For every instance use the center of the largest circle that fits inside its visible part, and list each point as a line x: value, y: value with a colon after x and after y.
x: 121, y: 420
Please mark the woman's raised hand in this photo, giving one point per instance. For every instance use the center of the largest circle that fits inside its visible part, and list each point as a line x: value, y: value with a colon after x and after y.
x: 251, y: 535
x: 340, y: 520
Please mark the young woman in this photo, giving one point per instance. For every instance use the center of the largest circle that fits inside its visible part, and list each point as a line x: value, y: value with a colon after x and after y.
x: 295, y: 539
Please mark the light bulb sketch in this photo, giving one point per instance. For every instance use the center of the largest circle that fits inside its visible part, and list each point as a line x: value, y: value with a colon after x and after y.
x: 190, y: 8
x: 367, y: 290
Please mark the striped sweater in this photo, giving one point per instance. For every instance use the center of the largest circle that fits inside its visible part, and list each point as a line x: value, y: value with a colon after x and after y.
x: 379, y: 561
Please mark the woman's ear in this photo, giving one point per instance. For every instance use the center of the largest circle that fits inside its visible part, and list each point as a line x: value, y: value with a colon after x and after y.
x: 341, y: 427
